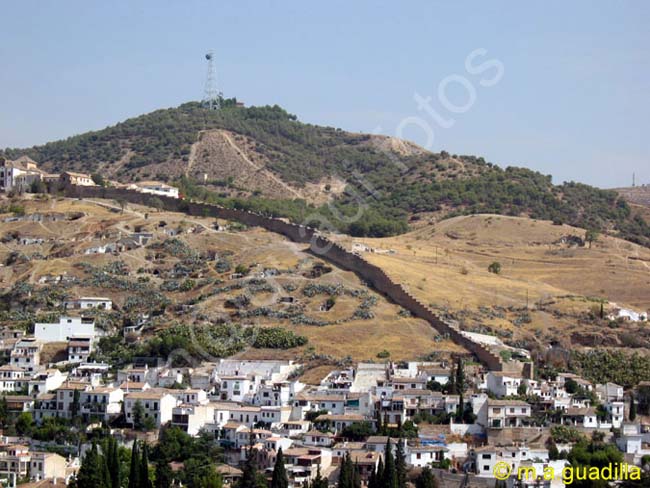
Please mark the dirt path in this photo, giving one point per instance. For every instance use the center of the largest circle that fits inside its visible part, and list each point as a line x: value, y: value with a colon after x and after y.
x: 193, y: 150
x: 242, y: 155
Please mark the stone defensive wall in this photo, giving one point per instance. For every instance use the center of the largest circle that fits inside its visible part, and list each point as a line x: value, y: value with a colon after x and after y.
x: 320, y: 246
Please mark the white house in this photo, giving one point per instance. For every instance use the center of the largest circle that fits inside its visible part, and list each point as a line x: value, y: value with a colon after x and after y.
x: 85, y: 303
x: 157, y: 188
x: 507, y: 413
x: 26, y: 354
x: 157, y: 404
x: 12, y: 378
x: 503, y: 384
x: 424, y: 455
x: 66, y: 328
x: 45, y: 381
x: 102, y: 402
x: 79, y: 349
x: 580, y: 417
x: 192, y: 417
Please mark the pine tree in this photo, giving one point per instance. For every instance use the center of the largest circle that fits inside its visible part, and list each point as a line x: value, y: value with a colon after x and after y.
x: 134, y: 468
x: 426, y: 479
x: 389, y: 479
x: 143, y: 476
x: 279, y: 479
x: 400, y: 465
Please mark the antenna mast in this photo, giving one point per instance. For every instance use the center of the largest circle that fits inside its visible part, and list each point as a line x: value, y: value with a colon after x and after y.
x: 211, y: 95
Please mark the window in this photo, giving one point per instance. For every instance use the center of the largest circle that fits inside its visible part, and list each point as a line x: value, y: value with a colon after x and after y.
x: 486, y: 456
x: 486, y: 467
x: 418, y: 455
x: 512, y: 410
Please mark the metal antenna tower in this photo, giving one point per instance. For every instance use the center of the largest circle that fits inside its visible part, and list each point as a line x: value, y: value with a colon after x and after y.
x: 211, y: 95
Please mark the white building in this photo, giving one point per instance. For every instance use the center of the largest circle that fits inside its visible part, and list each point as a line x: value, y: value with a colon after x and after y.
x: 12, y: 378
x: 157, y: 403
x: 503, y: 384
x: 26, y: 354
x: 66, y: 328
x: 45, y: 381
x: 85, y: 303
x: 506, y: 413
x: 192, y: 417
x: 18, y: 174
x: 422, y: 456
x: 102, y: 402
x: 156, y: 188
x: 79, y: 349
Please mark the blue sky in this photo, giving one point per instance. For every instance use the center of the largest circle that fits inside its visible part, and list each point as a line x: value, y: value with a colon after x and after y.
x: 572, y: 102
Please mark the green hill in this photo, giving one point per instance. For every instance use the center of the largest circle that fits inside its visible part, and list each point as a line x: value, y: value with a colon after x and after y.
x: 393, y: 183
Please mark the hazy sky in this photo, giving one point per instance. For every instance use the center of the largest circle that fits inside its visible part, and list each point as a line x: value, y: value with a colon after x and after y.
x: 572, y: 101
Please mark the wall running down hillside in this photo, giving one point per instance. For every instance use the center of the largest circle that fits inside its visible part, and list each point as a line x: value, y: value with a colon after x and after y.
x: 324, y: 248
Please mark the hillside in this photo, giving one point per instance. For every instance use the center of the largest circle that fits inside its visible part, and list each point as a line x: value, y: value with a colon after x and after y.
x: 547, y: 292
x: 217, y: 287
x: 263, y: 158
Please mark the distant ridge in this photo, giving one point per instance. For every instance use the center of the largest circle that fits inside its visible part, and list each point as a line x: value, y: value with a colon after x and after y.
x: 263, y: 158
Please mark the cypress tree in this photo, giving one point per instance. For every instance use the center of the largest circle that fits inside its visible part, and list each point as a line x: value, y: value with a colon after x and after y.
x: 112, y: 462
x: 91, y: 472
x: 426, y: 479
x: 345, y: 474
x: 390, y: 473
x: 379, y: 476
x: 384, y: 428
x: 164, y: 476
x: 134, y: 468
x: 400, y: 465
x: 143, y: 477
x: 279, y: 479
x: 372, y: 479
x: 356, y: 476
x: 460, y: 376
x: 114, y: 466
x: 632, y: 414
x: 319, y: 481
x: 251, y: 477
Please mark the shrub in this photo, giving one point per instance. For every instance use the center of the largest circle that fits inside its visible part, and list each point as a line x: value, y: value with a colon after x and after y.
x: 495, y: 267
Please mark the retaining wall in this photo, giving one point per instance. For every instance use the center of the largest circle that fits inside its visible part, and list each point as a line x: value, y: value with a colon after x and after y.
x: 320, y: 246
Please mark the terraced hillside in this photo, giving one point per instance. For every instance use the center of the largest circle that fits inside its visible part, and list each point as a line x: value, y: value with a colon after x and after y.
x: 223, y: 283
